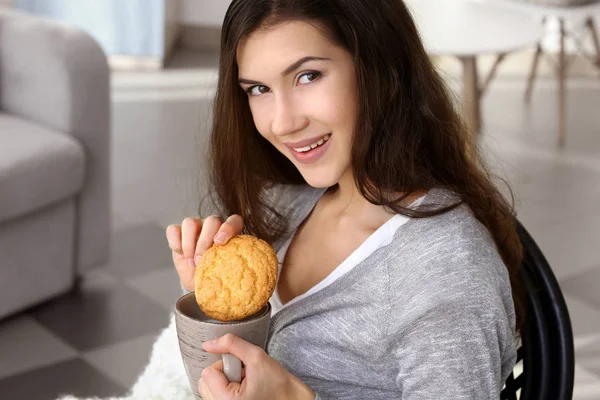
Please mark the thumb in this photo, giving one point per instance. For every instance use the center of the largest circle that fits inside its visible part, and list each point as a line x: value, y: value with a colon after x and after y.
x: 247, y: 352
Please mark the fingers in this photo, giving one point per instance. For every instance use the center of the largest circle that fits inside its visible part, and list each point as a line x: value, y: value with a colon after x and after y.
x: 174, y: 238
x: 219, y: 367
x: 247, y: 352
x: 210, y: 227
x: 193, y: 237
x: 178, y: 239
x: 190, y: 229
x: 232, y: 227
x: 204, y: 390
x: 213, y: 382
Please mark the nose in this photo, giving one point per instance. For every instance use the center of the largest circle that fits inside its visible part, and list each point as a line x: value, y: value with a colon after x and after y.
x: 287, y: 118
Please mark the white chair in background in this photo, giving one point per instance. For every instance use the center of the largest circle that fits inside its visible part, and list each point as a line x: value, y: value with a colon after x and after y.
x: 466, y: 29
x: 574, y: 12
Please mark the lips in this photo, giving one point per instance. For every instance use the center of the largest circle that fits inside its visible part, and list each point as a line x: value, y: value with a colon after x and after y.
x: 314, y: 154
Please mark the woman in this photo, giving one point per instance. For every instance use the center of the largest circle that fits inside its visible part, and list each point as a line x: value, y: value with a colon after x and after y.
x: 335, y: 140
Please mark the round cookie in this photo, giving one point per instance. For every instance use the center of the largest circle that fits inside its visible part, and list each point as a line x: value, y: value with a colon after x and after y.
x: 236, y: 280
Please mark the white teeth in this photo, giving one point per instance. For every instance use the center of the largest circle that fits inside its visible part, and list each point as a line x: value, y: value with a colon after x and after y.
x: 312, y: 146
x: 302, y: 149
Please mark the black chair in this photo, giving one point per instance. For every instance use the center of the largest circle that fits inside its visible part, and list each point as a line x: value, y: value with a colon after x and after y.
x: 547, y: 353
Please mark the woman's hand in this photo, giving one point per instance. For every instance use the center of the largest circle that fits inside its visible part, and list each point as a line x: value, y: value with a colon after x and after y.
x: 264, y: 378
x: 193, y: 237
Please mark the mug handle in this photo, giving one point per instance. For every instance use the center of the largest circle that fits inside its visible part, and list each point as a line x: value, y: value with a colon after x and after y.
x: 232, y: 367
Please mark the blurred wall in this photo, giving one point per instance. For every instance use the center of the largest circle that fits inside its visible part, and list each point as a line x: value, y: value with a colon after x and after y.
x: 203, y: 12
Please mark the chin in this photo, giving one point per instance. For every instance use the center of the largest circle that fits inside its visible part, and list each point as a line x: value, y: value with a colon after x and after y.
x: 320, y: 180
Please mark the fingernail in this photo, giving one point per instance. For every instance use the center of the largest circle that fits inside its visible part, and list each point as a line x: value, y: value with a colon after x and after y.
x: 191, y: 262
x: 221, y: 237
x: 208, y: 344
x: 197, y: 259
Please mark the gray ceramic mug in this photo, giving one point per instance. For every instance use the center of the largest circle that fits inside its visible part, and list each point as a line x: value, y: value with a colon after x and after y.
x: 194, y: 328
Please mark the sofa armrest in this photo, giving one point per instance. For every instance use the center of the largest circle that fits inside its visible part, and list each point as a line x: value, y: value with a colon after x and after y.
x: 57, y: 76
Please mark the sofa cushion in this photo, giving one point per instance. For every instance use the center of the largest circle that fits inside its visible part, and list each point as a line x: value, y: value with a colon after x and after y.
x: 38, y: 166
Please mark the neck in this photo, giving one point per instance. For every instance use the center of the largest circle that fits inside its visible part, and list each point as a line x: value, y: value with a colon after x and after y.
x: 347, y: 201
x: 346, y: 192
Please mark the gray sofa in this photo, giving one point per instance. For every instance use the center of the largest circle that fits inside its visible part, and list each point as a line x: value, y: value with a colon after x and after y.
x: 54, y: 158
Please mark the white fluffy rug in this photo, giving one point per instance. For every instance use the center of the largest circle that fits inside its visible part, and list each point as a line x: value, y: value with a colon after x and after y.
x: 164, y: 377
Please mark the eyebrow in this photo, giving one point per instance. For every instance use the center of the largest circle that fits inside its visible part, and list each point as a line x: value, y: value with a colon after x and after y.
x: 288, y: 70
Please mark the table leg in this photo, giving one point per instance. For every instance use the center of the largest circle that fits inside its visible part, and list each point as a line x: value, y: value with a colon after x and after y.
x: 561, y: 87
x: 533, y: 72
x: 470, y: 93
x: 499, y: 58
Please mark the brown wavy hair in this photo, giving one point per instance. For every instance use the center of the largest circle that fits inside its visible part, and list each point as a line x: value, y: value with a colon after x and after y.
x: 408, y: 136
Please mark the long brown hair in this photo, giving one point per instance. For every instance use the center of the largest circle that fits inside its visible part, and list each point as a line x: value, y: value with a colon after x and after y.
x: 408, y: 136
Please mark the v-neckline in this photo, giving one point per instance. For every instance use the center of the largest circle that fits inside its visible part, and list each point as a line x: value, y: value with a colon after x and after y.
x: 382, y: 236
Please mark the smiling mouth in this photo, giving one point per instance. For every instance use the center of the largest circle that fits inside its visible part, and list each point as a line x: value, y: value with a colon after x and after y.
x: 312, y: 146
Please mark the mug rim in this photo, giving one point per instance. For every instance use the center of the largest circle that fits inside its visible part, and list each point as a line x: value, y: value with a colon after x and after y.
x: 267, y: 307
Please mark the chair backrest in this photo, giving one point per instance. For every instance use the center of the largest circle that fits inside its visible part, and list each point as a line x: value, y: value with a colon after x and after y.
x: 547, y: 353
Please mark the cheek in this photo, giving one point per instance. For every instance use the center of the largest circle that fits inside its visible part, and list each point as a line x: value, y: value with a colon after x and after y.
x: 335, y: 105
x: 261, y: 120
x: 333, y: 112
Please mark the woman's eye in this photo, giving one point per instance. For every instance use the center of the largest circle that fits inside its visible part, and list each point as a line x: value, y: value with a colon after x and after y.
x: 257, y: 90
x: 309, y: 77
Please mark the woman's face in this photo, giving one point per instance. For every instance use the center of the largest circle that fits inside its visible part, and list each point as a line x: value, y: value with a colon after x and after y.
x: 302, y: 94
